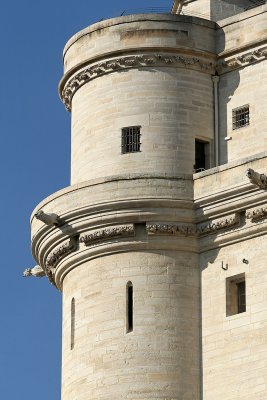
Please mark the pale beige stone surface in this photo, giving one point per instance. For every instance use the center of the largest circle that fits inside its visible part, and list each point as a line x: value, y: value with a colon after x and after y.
x: 234, y: 347
x: 127, y: 33
x: 149, y: 362
x: 170, y: 112
x: 146, y: 218
x: 238, y: 89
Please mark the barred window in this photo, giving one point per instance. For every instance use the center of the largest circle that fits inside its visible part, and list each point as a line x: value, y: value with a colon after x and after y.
x: 130, y: 139
x: 240, y: 117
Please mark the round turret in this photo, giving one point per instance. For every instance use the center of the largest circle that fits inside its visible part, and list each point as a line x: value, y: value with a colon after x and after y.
x: 147, y: 73
x: 124, y: 247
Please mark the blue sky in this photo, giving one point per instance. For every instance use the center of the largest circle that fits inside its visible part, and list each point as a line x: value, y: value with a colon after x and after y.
x: 35, y: 162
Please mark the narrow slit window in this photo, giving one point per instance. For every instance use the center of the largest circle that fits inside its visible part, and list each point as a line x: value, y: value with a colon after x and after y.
x: 129, y: 307
x: 240, y: 117
x: 72, y: 328
x: 130, y: 139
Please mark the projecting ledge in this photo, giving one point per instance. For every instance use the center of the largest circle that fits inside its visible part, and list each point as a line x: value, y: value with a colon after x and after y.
x: 228, y: 179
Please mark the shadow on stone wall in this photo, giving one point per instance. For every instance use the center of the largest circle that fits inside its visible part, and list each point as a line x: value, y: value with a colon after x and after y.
x: 228, y: 85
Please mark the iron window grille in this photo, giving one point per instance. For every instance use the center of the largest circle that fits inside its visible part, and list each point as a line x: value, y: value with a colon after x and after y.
x: 240, y: 117
x: 130, y: 139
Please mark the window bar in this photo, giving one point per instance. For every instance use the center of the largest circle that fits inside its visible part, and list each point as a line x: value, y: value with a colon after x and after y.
x: 130, y: 142
x: 240, y: 117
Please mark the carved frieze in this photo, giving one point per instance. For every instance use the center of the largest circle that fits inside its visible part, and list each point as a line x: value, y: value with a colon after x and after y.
x: 107, y: 233
x: 218, y: 224
x: 171, y: 229
x: 243, y: 60
x: 257, y: 179
x: 60, y: 252
x: 256, y: 214
x: 126, y: 62
x: 205, y: 228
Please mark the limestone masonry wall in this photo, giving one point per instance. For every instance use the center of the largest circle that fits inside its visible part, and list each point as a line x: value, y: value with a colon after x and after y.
x: 159, y: 80
x: 168, y: 105
x: 162, y: 269
x: 153, y: 361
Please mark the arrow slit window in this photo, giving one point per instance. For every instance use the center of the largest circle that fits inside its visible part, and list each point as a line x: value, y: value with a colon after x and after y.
x: 129, y: 307
x: 72, y: 328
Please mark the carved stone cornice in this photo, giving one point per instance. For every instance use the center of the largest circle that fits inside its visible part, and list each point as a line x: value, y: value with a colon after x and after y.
x: 256, y: 214
x: 171, y: 229
x: 218, y: 224
x: 239, y: 61
x: 201, y: 229
x: 60, y: 252
x: 126, y: 62
x: 257, y: 179
x: 108, y: 233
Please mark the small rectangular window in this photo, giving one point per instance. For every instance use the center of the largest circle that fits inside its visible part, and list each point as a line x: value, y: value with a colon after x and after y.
x: 240, y: 117
x: 235, y: 295
x: 130, y: 139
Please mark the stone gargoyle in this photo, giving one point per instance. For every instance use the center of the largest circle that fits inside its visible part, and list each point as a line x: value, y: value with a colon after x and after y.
x: 48, y: 218
x: 36, y: 271
x: 256, y: 178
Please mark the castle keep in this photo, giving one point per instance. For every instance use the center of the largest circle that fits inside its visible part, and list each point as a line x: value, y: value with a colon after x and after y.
x: 159, y: 245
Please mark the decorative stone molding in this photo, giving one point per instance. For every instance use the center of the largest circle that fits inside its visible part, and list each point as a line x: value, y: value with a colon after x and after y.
x: 171, y: 229
x: 127, y: 62
x: 36, y: 271
x: 103, y: 234
x: 62, y: 251
x: 243, y: 60
x: 256, y: 214
x: 194, y: 230
x: 218, y: 224
x: 257, y: 179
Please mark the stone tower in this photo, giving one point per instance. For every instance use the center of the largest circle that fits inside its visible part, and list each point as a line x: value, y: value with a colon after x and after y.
x: 153, y: 244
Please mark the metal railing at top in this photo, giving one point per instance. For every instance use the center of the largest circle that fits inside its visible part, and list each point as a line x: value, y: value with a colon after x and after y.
x: 167, y: 10
x: 147, y: 10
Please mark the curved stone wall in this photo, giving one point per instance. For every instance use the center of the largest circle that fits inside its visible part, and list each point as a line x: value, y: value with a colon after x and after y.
x: 160, y: 357
x: 144, y: 235
x: 156, y: 75
x: 130, y: 217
